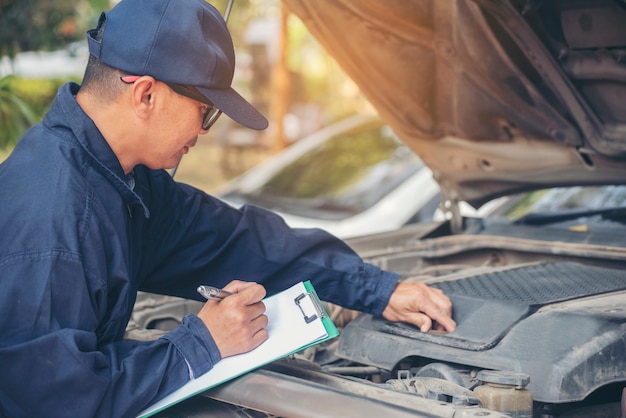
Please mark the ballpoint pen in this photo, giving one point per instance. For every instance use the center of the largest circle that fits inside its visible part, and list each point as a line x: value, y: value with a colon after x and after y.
x: 213, y: 293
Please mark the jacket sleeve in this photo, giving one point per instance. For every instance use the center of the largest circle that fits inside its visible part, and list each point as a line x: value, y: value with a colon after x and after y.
x: 208, y: 241
x: 57, y: 358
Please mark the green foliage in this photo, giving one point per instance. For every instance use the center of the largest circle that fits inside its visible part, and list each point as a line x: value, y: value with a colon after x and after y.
x: 23, y: 102
x: 15, y: 115
x: 38, y: 93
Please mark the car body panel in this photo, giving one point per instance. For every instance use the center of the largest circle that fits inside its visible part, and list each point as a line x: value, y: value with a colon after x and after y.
x: 483, y: 100
x: 412, y: 199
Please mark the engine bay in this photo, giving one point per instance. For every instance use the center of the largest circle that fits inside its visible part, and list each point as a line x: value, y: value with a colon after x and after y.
x: 552, y: 313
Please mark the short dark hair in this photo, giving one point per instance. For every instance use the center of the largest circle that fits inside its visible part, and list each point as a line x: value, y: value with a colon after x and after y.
x: 101, y: 81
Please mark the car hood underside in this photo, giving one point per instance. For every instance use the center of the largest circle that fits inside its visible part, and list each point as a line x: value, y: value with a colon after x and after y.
x: 496, y: 97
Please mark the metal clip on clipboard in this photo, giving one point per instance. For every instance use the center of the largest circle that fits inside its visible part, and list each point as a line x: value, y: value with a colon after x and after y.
x: 315, y: 303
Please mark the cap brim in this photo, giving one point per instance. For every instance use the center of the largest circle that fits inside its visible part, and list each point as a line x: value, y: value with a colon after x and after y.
x: 236, y: 107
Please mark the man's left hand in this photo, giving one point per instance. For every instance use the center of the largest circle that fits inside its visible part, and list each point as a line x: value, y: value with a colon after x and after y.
x: 420, y: 305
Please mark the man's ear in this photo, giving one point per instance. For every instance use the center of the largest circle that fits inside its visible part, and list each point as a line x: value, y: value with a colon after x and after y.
x: 142, y: 96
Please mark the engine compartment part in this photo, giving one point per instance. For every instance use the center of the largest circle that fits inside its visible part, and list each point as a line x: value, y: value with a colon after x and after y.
x: 544, y: 319
x: 505, y: 392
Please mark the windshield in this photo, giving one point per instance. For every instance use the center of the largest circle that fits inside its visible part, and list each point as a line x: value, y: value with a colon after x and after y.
x: 559, y: 204
x: 343, y: 176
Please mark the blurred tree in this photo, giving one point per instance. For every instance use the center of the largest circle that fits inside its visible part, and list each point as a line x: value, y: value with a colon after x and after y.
x: 30, y: 25
x: 27, y: 25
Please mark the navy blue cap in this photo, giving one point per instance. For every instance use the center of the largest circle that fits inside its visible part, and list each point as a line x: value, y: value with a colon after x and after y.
x: 176, y: 41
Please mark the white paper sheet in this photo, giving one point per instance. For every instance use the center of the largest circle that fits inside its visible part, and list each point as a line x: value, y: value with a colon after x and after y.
x: 288, y: 333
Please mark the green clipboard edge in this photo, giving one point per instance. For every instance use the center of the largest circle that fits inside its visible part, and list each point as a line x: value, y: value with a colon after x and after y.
x: 331, y: 331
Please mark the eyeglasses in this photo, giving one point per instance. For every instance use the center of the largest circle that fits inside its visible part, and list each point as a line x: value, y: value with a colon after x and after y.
x: 211, y: 114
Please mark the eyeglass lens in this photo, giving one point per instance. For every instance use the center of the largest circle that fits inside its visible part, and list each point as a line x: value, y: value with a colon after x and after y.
x: 210, y: 117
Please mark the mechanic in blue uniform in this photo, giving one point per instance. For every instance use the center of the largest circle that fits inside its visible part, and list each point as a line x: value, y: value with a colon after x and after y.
x: 89, y: 216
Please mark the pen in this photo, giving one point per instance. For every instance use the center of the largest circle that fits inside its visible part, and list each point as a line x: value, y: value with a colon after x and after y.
x: 210, y: 292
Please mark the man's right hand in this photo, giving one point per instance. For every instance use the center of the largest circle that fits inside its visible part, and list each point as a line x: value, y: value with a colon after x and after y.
x: 237, y: 323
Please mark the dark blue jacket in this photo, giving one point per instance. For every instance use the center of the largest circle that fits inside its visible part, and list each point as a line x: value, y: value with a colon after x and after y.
x: 78, y: 241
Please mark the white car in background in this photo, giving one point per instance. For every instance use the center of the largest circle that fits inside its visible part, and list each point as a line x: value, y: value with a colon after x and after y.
x: 351, y: 178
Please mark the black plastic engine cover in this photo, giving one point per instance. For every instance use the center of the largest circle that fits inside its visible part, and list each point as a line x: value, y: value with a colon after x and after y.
x: 561, y: 323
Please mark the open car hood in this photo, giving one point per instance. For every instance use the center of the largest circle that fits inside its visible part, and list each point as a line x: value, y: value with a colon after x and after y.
x: 496, y: 96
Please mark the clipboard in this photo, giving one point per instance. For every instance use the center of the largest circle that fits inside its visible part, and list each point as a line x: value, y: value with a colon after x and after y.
x: 296, y: 320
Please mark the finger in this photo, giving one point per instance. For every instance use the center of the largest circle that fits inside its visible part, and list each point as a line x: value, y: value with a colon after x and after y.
x: 445, y: 323
x: 440, y: 311
x: 237, y: 286
x: 426, y: 323
x: 448, y: 323
x: 259, y: 338
x: 442, y: 318
x: 248, y: 293
x: 261, y: 321
x: 255, y: 311
x: 420, y: 320
x: 257, y: 333
x: 441, y: 301
x: 438, y: 327
x: 445, y: 305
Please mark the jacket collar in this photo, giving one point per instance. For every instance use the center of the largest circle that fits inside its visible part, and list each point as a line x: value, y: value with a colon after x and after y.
x: 66, y: 112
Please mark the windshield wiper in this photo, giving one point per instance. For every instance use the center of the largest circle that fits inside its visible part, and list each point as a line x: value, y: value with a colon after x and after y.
x: 616, y: 214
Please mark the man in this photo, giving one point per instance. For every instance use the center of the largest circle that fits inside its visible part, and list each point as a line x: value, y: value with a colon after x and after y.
x: 89, y: 217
